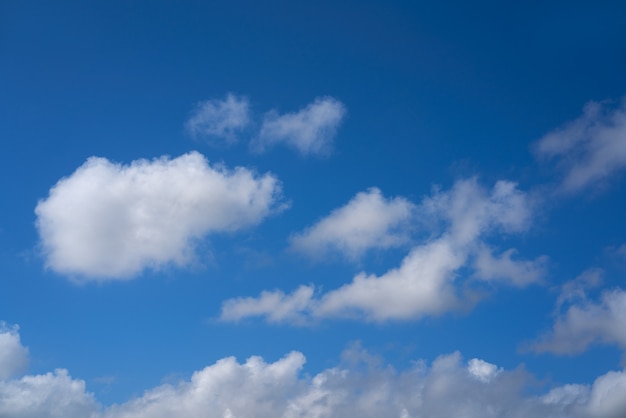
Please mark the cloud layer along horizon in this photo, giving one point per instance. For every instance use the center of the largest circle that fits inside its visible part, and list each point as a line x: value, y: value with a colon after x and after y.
x: 112, y: 221
x: 359, y: 386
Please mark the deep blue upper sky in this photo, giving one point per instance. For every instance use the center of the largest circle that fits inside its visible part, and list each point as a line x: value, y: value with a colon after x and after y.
x: 431, y: 99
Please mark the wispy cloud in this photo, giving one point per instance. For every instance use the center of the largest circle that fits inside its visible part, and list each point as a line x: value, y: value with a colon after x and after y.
x: 310, y: 131
x: 111, y: 221
x: 424, y: 284
x: 581, y: 321
x: 367, y: 221
x: 219, y: 119
x: 589, y: 149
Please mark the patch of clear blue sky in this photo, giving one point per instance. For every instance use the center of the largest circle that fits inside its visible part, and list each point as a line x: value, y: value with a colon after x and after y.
x: 434, y: 91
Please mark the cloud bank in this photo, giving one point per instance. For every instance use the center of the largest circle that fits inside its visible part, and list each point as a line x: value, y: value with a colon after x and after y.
x: 589, y: 149
x: 310, y: 131
x: 219, y: 119
x: 367, y: 221
x: 112, y: 221
x: 448, y: 387
x: 427, y: 281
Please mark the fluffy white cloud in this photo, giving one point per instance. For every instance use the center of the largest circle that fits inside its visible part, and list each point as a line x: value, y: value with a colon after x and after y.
x: 368, y: 220
x: 424, y: 284
x: 310, y: 130
x: 590, y: 148
x: 111, y: 221
x: 13, y: 355
x: 222, y: 119
x: 586, y: 322
x: 255, y: 388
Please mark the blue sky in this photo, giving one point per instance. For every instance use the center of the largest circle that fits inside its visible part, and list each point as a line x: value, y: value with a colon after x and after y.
x: 312, y: 209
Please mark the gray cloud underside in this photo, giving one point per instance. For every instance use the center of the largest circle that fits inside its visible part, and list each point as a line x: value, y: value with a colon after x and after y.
x: 581, y: 321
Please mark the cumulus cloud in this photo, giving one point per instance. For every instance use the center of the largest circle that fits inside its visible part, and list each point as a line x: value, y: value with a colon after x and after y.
x: 51, y: 395
x: 589, y: 149
x: 367, y: 221
x: 584, y: 322
x: 310, y: 131
x: 426, y: 283
x: 13, y: 355
x: 219, y: 119
x: 112, y: 221
x: 447, y: 387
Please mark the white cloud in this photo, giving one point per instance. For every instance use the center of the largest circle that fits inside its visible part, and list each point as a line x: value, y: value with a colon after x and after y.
x: 447, y: 388
x: 586, y: 322
x: 276, y: 306
x: 223, y: 119
x: 590, y: 148
x: 310, y: 131
x: 483, y: 371
x: 367, y: 221
x: 362, y: 386
x: 424, y: 284
x: 111, y: 221
x: 504, y: 267
x: 51, y: 395
x: 13, y: 355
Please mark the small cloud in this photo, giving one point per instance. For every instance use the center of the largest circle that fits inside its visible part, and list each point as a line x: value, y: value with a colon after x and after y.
x: 219, y: 119
x: 310, y: 131
x: 483, y: 371
x: 276, y: 306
